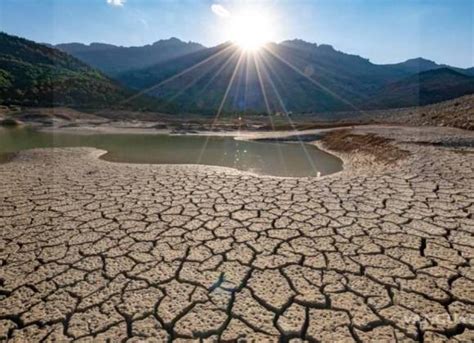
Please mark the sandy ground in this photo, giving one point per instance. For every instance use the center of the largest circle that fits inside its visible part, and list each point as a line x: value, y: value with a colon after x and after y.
x: 408, y: 132
x: 95, y: 251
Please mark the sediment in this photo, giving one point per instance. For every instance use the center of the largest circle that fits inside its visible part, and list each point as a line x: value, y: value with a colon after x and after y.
x: 94, y: 251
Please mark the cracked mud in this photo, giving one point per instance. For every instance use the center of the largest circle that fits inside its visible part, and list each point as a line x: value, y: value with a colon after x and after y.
x: 97, y: 251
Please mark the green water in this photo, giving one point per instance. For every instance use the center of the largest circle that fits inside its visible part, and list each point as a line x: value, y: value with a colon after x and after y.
x: 268, y: 158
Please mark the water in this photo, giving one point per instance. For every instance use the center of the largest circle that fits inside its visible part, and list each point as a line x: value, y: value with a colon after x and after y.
x: 268, y: 158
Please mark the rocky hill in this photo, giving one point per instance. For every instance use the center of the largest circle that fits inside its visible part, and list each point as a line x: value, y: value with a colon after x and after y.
x: 424, y: 88
x: 290, y: 77
x: 33, y: 74
x: 112, y: 59
x: 457, y: 112
x: 295, y: 76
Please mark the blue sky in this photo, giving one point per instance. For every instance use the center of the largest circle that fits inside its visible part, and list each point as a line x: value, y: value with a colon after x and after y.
x: 385, y: 31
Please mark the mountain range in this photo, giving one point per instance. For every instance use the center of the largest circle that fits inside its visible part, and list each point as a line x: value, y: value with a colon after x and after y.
x: 424, y: 88
x: 179, y: 77
x: 33, y: 74
x: 418, y: 65
x: 113, y: 60
x: 295, y: 76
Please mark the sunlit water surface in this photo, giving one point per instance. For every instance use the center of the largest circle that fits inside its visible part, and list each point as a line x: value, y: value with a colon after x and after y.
x: 267, y: 158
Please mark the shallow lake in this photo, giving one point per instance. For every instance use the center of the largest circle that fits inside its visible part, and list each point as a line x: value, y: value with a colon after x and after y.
x: 267, y: 158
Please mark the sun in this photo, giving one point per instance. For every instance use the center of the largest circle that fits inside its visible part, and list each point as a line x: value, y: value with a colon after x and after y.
x: 250, y: 30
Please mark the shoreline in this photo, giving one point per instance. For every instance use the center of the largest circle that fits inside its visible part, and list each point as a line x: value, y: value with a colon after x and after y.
x: 250, y: 134
x: 350, y: 161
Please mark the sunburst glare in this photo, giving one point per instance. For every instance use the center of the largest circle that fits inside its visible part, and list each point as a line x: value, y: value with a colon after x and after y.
x: 250, y: 29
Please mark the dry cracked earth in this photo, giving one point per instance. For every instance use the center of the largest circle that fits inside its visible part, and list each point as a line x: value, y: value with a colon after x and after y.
x: 97, y: 251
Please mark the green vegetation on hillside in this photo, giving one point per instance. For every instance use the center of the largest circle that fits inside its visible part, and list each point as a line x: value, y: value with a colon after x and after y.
x: 32, y: 74
x: 293, y: 76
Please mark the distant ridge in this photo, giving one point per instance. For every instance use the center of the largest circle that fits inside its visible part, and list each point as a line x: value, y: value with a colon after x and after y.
x: 469, y: 71
x: 297, y: 76
x: 293, y: 76
x: 112, y: 59
x: 424, y: 88
x: 416, y: 65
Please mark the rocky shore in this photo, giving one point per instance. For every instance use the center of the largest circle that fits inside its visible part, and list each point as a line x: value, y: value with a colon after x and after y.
x: 382, y: 251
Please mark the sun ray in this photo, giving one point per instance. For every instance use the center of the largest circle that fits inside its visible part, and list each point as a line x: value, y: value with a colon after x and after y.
x: 229, y: 86
x: 313, y: 81
x: 247, y: 78
x: 221, y: 106
x: 233, y: 99
x: 187, y: 70
x: 334, y: 74
x: 260, y: 81
x: 256, y: 58
x: 290, y: 121
x: 200, y: 77
x: 229, y: 60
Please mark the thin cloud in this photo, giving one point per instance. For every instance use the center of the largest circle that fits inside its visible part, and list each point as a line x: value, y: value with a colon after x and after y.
x: 220, y: 10
x: 116, y: 2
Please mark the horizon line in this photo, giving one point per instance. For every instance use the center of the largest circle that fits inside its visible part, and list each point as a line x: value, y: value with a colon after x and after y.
x: 228, y: 41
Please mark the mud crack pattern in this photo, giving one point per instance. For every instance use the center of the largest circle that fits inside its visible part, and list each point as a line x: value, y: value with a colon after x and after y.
x: 92, y: 251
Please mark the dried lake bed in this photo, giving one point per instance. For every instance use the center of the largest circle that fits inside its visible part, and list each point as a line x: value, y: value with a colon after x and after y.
x: 295, y: 159
x: 93, y: 250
